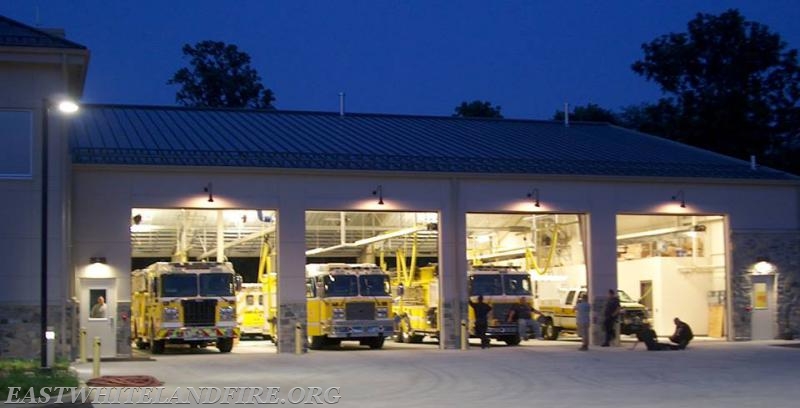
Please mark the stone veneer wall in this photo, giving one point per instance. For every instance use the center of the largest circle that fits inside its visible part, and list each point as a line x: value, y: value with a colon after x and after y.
x: 20, y: 330
x: 289, y: 315
x: 123, y: 324
x: 450, y: 325
x: 783, y: 250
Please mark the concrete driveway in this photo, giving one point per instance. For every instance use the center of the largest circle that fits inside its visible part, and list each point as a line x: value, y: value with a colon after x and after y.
x: 535, y: 374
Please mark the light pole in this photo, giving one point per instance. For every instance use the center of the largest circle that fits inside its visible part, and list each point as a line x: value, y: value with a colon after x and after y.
x: 65, y: 107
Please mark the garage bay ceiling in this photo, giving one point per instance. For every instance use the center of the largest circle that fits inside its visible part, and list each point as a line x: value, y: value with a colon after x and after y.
x: 161, y: 233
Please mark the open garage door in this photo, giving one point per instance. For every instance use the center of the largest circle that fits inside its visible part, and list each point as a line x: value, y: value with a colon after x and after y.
x: 202, y: 278
x: 371, y: 276
x: 548, y: 250
x: 676, y: 266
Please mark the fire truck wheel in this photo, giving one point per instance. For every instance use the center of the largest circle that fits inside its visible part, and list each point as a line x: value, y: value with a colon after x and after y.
x: 376, y: 343
x: 225, y: 344
x: 157, y: 346
x: 316, y: 342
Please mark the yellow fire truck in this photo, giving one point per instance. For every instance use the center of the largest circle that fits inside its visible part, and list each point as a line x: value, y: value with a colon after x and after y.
x: 250, y: 313
x: 418, y: 299
x: 256, y: 303
x: 190, y: 303
x: 348, y: 302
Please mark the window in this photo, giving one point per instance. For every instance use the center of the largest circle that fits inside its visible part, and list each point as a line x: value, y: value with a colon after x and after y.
x: 16, y: 154
x: 517, y: 285
x: 486, y: 285
x: 374, y: 285
x: 311, y: 289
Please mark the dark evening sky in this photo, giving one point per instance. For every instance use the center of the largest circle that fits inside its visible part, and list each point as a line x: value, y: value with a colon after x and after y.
x: 403, y: 57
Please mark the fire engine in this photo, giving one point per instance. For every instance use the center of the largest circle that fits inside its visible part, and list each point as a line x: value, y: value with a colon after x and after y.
x: 184, y: 303
x: 348, y: 302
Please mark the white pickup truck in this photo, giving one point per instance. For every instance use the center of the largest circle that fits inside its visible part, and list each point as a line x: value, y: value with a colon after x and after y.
x: 558, y: 315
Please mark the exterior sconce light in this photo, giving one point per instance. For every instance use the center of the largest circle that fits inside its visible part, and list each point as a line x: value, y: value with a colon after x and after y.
x: 379, y: 193
x: 679, y: 196
x: 763, y: 267
x: 97, y: 259
x: 210, y: 192
x: 534, y: 195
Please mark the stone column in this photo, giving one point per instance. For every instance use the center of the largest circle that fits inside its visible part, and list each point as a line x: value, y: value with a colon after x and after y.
x: 452, y: 270
x: 291, y: 272
x: 601, y: 266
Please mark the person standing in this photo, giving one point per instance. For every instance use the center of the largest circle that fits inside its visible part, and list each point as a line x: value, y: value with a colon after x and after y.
x: 481, y: 320
x: 582, y: 318
x: 610, y: 315
x: 99, y: 309
x: 523, y: 313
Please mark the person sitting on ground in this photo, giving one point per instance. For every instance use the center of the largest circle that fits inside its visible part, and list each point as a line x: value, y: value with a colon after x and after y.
x: 648, y: 336
x: 683, y: 334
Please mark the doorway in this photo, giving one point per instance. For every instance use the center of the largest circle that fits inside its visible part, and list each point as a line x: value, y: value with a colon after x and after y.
x: 646, y: 294
x: 98, y: 316
x: 763, y: 304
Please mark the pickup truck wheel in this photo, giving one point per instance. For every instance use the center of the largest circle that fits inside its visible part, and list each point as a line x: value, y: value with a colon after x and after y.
x: 549, y: 331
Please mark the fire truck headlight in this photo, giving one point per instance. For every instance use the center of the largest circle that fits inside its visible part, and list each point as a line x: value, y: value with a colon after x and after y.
x: 381, y: 312
x: 227, y: 313
x: 170, y: 314
x: 338, y: 313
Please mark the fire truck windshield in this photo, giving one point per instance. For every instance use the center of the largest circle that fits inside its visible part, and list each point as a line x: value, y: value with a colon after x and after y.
x: 341, y: 285
x: 486, y: 285
x: 374, y: 285
x: 179, y: 285
x: 216, y: 284
x: 517, y: 285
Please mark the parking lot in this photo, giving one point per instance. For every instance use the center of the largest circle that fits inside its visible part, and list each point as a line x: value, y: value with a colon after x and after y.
x: 708, y: 374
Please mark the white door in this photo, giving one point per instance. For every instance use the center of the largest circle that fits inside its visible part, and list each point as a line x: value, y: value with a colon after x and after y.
x: 764, y: 308
x: 98, y: 315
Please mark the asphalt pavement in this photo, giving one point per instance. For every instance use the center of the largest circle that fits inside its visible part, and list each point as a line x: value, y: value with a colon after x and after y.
x: 534, y: 374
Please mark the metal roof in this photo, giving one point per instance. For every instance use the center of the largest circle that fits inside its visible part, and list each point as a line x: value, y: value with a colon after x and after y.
x: 176, y: 136
x: 15, y: 34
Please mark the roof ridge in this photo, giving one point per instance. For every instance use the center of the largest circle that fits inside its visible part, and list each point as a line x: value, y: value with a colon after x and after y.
x: 65, y: 43
x: 332, y: 113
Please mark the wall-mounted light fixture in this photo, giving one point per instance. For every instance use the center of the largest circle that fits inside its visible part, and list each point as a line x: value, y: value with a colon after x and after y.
x: 208, y: 189
x: 379, y: 193
x: 534, y: 195
x: 97, y: 259
x: 679, y: 196
x: 763, y: 266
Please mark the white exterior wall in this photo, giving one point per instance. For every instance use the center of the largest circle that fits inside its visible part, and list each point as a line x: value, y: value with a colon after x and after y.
x: 24, y: 85
x: 104, y: 196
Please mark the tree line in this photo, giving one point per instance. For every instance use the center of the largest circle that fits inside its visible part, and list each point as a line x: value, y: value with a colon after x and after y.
x: 728, y: 84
